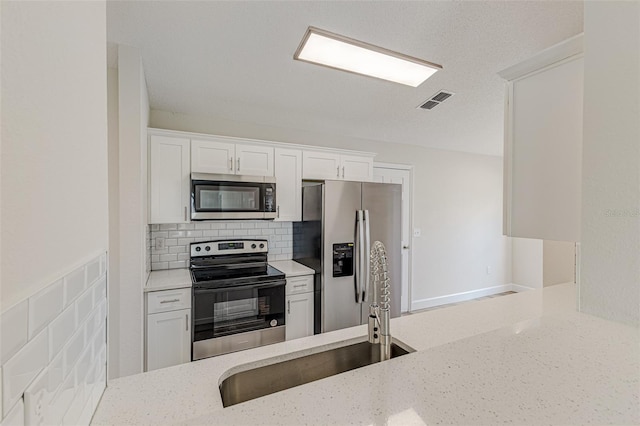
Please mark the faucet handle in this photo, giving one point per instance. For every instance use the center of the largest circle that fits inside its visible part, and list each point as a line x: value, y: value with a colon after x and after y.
x: 374, y: 324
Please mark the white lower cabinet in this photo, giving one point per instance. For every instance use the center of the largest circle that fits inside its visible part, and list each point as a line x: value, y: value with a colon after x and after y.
x: 299, y: 315
x: 168, y: 335
x: 299, y: 319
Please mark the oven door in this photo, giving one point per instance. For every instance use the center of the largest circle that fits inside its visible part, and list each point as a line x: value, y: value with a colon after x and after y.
x: 232, y: 200
x: 235, y: 318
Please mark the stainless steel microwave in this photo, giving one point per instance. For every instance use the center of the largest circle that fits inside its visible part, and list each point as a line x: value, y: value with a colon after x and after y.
x: 232, y: 197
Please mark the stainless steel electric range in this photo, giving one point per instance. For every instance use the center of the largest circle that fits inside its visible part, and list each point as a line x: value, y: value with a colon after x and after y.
x: 238, y: 299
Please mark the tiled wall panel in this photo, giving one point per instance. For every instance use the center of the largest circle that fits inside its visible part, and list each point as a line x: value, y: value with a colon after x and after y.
x: 177, y: 238
x: 53, y: 358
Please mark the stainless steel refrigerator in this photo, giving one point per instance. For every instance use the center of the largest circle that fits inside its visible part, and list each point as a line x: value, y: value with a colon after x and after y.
x: 340, y: 222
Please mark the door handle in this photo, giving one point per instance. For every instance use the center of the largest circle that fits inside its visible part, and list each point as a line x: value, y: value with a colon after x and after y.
x: 367, y: 260
x: 343, y: 172
x: 338, y: 171
x: 186, y: 320
x: 170, y: 301
x: 231, y: 164
x: 405, y: 247
x: 185, y: 213
x: 278, y: 212
x: 361, y: 255
x: 288, y: 306
x: 238, y: 163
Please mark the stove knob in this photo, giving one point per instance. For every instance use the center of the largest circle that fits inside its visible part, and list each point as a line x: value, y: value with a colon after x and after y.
x: 198, y: 248
x: 253, y: 246
x: 261, y: 245
x: 207, y: 248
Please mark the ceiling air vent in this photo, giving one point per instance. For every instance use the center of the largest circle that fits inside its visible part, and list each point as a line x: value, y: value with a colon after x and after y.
x: 436, y: 99
x: 428, y: 105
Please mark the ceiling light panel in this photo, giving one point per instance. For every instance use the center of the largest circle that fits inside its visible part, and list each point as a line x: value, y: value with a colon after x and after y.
x: 339, y: 52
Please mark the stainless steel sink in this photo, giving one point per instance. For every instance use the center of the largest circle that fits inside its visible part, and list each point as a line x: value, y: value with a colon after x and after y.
x: 261, y: 381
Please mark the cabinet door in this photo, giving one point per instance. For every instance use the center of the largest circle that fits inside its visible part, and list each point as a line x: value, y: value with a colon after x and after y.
x: 254, y: 160
x: 320, y: 165
x: 288, y: 171
x: 212, y: 157
x: 356, y: 168
x: 299, y: 320
x: 169, y: 179
x: 168, y: 339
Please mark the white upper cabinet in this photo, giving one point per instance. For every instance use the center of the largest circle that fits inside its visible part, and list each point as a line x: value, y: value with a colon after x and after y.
x: 288, y: 171
x: 169, y: 179
x: 357, y: 168
x: 329, y: 165
x: 320, y: 165
x: 212, y: 157
x: 222, y: 157
x: 254, y: 160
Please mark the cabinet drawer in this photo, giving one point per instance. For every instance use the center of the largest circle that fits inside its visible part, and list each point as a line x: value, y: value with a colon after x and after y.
x: 168, y: 300
x: 303, y: 284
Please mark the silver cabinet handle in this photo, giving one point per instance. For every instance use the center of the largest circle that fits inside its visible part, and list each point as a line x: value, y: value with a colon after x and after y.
x: 338, y: 171
x: 238, y: 163
x: 185, y: 213
x: 288, y: 306
x: 278, y: 212
x: 299, y: 285
x: 405, y: 247
x: 231, y: 164
x: 343, y: 171
x: 186, y: 321
x: 170, y: 301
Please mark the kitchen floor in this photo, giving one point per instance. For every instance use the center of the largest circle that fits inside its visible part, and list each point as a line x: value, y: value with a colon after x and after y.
x: 505, y: 293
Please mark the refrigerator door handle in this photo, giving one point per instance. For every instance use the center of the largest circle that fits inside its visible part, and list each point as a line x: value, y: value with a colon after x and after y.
x: 366, y: 258
x: 358, y: 253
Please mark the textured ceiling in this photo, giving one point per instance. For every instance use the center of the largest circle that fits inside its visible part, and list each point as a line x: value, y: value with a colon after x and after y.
x: 233, y: 60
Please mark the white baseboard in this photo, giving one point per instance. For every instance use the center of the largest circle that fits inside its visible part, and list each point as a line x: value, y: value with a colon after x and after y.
x: 467, y: 295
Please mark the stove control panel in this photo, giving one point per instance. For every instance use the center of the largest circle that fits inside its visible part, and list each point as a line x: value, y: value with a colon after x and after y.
x: 221, y: 247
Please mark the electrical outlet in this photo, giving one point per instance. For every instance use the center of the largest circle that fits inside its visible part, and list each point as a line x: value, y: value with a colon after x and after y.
x: 417, y: 232
x: 160, y: 243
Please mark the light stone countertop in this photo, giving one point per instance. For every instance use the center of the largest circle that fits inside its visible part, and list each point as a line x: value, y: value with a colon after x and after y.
x: 168, y: 280
x: 291, y: 268
x: 526, y: 358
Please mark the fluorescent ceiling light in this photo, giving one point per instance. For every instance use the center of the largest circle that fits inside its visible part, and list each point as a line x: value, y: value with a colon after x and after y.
x: 339, y: 52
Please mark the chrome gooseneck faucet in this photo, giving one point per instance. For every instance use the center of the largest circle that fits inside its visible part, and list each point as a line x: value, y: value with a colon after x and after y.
x: 380, y: 313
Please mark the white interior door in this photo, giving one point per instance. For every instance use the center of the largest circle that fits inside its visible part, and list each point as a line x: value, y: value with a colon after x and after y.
x: 403, y: 177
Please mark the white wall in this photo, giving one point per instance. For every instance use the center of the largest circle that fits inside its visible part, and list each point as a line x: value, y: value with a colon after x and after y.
x: 128, y: 172
x: 54, y: 142
x: 610, y: 245
x: 558, y: 262
x: 54, y: 221
x: 527, y: 262
x: 457, y: 203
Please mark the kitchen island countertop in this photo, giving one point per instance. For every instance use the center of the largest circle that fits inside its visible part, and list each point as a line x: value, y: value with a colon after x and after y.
x: 526, y: 358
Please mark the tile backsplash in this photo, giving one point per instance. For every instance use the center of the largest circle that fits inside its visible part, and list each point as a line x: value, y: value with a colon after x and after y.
x: 53, y: 350
x: 177, y: 237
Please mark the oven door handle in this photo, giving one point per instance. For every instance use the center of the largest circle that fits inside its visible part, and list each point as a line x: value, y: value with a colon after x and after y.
x: 259, y: 286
